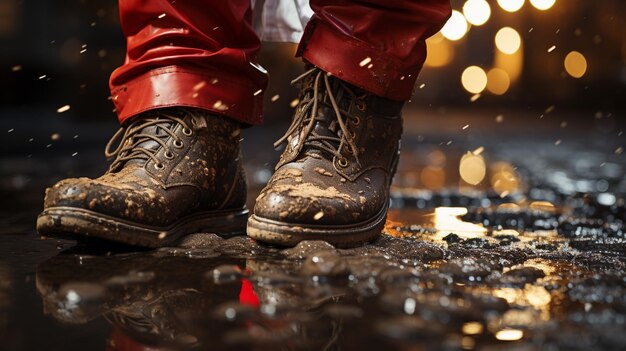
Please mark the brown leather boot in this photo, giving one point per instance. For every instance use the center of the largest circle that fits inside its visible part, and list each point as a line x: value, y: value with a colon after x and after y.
x: 176, y: 171
x: 332, y: 181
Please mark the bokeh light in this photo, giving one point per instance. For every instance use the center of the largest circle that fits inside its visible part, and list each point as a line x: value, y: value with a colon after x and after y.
x: 512, y: 64
x: 433, y: 177
x: 472, y: 328
x: 542, y: 4
x: 509, y: 334
x: 575, y: 64
x: 511, y: 5
x: 508, y: 40
x: 474, y: 80
x: 440, y: 51
x: 472, y: 168
x: 504, y: 179
x: 456, y: 27
x: 498, y: 81
x: 477, y: 12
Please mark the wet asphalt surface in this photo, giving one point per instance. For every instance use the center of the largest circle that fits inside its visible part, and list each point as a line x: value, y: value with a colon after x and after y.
x: 533, y: 258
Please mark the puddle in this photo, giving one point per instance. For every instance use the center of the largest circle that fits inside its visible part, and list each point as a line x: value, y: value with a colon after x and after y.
x: 438, y: 282
x: 496, y: 267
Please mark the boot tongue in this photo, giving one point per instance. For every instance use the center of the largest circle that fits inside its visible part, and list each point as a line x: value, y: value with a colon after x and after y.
x: 328, y: 124
x: 149, y: 144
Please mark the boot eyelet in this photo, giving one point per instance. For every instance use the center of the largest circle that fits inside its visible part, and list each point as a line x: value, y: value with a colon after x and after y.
x: 356, y: 121
x: 168, y: 155
x: 159, y: 166
x: 360, y: 104
x: 342, y: 162
x: 187, y: 131
x: 178, y: 143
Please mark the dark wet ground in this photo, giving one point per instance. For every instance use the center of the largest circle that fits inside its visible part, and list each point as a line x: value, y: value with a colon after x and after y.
x: 533, y: 258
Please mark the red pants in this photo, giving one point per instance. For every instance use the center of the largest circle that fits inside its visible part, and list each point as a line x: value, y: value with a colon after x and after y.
x: 202, y: 53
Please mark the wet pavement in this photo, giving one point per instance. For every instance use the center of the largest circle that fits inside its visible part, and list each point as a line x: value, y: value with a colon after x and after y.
x: 531, y: 258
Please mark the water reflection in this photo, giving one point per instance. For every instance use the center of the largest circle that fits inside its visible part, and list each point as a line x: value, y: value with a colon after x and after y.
x: 418, y: 291
x: 149, y: 299
x: 158, y: 301
x: 447, y: 220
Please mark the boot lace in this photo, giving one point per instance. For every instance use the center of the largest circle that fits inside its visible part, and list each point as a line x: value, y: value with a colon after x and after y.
x: 306, y: 116
x: 131, y: 138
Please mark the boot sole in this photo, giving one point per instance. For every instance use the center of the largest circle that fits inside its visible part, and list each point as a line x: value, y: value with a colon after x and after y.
x: 290, y: 234
x: 76, y: 223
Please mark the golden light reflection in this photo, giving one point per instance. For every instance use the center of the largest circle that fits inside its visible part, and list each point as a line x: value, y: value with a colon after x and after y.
x: 532, y: 296
x: 542, y: 4
x: 456, y: 27
x: 546, y: 266
x: 391, y: 228
x: 509, y: 232
x: 575, y: 64
x: 477, y: 12
x: 508, y: 40
x: 537, y: 296
x: 504, y: 179
x: 509, y: 207
x: 543, y: 206
x: 468, y: 343
x: 447, y: 220
x: 474, y: 79
x: 498, y: 81
x: 472, y: 168
x: 472, y: 328
x: 511, y: 5
x: 509, y: 334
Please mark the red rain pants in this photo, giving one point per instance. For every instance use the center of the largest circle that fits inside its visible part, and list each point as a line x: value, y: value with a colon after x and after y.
x: 202, y: 53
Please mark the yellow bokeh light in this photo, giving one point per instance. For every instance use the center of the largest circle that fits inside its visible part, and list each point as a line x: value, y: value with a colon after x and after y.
x: 511, y: 5
x: 542, y: 4
x: 575, y: 64
x: 512, y: 64
x: 498, y: 81
x: 474, y: 80
x: 440, y: 52
x: 472, y: 168
x: 472, y: 328
x: 477, y: 12
x: 505, y: 179
x: 456, y: 27
x: 508, y: 40
x: 433, y: 178
x: 509, y: 334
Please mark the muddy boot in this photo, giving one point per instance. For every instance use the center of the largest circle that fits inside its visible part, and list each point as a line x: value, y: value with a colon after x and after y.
x: 176, y: 171
x: 332, y: 181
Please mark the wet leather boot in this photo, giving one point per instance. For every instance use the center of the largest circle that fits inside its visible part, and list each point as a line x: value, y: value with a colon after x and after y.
x: 332, y: 181
x: 175, y: 172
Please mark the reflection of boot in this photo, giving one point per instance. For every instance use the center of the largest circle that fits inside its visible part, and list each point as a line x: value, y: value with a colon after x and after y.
x: 151, y: 298
x: 332, y: 181
x: 176, y: 171
x: 298, y: 313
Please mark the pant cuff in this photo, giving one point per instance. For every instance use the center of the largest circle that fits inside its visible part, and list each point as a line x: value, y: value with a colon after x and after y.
x: 346, y: 58
x: 177, y: 86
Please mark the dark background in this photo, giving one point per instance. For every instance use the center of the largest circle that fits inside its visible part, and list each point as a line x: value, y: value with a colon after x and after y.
x: 43, y: 37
